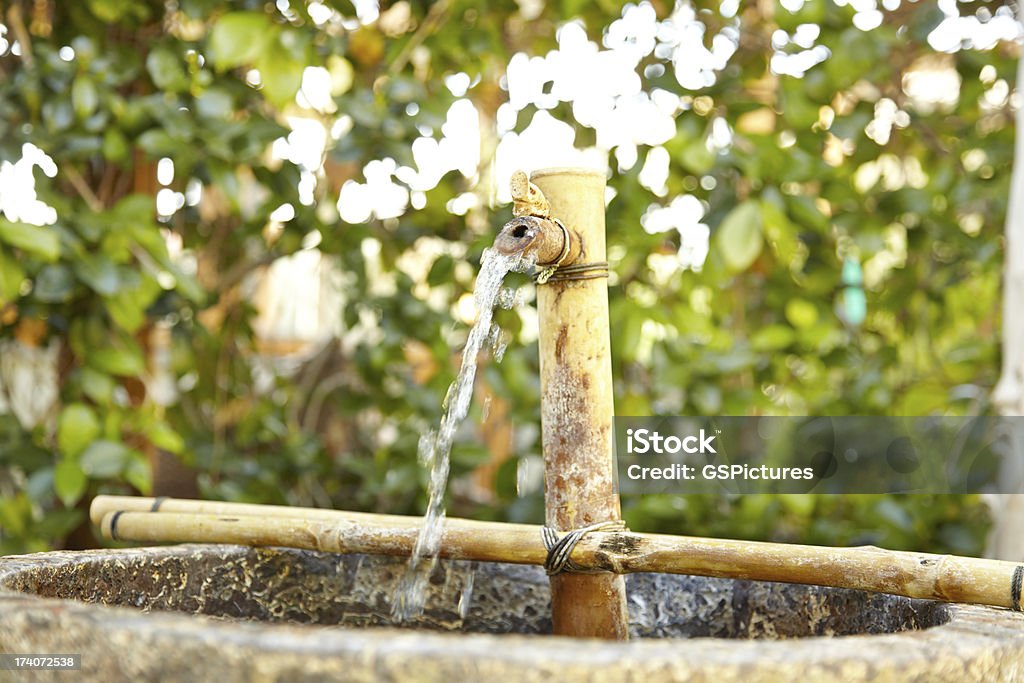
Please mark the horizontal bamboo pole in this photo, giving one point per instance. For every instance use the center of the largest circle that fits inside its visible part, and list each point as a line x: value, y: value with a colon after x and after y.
x: 103, y: 505
x: 914, y: 575
x: 460, y: 541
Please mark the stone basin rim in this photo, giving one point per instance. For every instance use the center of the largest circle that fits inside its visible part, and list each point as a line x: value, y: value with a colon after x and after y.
x: 978, y: 636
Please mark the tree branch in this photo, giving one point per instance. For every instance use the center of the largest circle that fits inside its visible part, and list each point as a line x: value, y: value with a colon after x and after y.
x: 238, y: 273
x: 434, y: 18
x: 82, y: 188
x: 21, y: 34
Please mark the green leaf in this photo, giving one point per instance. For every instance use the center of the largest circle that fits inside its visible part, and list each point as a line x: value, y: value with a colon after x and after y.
x: 140, y: 475
x: 157, y: 143
x: 239, y: 38
x: 803, y: 210
x: 36, y: 239
x: 109, y: 11
x: 15, y: 511
x: 740, y: 237
x: 124, y: 362
x: 188, y: 286
x: 84, y: 98
x: 125, y: 313
x: 772, y: 338
x: 342, y: 74
x: 54, y: 284
x: 281, y: 77
x: 69, y: 481
x: 215, y: 103
x: 39, y: 486
x: 798, y: 110
x: 97, y: 385
x: 11, y: 277
x: 134, y: 210
x: 697, y: 158
x: 167, y: 70
x: 824, y: 336
x: 127, y: 308
x: 77, y: 427
x: 801, y: 313
x: 162, y: 436
x: 99, y: 272
x: 105, y: 459
x: 778, y: 229
x: 442, y: 271
x: 115, y: 145
x: 58, y: 116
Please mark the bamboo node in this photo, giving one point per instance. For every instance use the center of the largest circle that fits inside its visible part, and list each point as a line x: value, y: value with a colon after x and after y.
x: 560, y: 549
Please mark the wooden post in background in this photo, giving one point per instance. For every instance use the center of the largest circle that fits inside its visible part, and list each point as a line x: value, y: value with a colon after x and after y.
x: 577, y: 407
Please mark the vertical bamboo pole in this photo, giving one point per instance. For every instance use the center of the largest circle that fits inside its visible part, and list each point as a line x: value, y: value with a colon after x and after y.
x: 577, y: 407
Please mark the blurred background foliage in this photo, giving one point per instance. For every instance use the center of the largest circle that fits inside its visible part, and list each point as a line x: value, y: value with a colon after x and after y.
x: 817, y: 233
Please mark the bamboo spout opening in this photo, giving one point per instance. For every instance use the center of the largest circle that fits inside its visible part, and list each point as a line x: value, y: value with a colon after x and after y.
x: 542, y: 238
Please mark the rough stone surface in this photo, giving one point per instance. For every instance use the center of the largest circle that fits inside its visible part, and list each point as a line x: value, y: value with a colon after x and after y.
x: 225, y: 613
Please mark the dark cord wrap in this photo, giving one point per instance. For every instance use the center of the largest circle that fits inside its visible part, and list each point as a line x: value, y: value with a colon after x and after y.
x: 560, y: 549
x: 113, y: 525
x: 577, y: 271
x: 1015, y: 588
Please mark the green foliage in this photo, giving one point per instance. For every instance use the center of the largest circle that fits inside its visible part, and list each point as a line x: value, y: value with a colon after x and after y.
x: 907, y: 522
x: 739, y: 238
x: 754, y: 331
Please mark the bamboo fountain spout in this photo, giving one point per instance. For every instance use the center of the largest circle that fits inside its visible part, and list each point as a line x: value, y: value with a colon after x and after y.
x: 560, y: 221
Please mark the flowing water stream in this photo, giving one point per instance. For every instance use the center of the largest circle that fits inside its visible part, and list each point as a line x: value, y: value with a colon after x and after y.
x: 435, y: 446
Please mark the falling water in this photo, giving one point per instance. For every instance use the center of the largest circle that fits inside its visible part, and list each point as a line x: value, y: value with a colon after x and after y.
x: 466, y: 597
x: 435, y: 446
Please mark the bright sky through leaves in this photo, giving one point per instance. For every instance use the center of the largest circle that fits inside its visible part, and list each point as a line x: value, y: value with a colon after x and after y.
x: 606, y: 94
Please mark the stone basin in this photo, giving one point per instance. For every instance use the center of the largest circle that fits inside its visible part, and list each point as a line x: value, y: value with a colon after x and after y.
x: 229, y: 613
